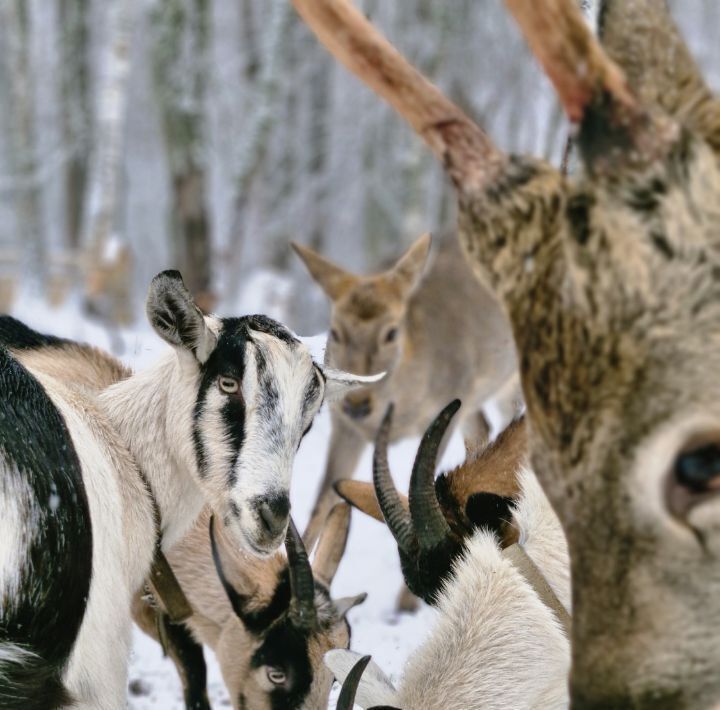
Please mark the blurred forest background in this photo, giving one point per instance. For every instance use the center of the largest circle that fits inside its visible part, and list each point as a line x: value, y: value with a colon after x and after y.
x: 205, y: 135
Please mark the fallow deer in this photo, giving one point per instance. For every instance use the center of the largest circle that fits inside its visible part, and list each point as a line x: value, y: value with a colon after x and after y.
x: 611, y: 283
x: 435, y: 331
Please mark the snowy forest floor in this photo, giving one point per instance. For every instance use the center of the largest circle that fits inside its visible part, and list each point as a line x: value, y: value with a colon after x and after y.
x: 370, y: 563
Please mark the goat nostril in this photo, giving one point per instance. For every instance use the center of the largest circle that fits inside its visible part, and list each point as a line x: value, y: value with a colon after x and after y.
x: 273, y: 512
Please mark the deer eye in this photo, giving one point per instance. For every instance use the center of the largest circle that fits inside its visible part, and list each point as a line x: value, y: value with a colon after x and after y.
x: 229, y: 385
x: 391, y: 335
x: 276, y: 676
x: 699, y: 470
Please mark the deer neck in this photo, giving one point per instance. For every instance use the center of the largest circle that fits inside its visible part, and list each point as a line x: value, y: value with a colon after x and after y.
x: 152, y: 413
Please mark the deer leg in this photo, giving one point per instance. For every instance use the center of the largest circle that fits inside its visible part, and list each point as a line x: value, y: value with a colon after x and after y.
x: 476, y: 433
x: 181, y: 647
x: 346, y: 447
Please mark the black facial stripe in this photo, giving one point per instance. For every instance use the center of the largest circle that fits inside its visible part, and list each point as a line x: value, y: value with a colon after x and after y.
x: 48, y: 608
x: 257, y: 622
x: 228, y: 359
x: 286, y: 647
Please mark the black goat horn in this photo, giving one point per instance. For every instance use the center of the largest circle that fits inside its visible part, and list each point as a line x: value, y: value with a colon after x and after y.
x: 346, y: 701
x: 429, y: 522
x: 237, y: 601
x: 302, y: 585
x: 396, y: 517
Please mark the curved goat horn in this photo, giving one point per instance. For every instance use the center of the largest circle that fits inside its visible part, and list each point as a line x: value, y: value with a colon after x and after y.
x: 396, y: 517
x: 237, y: 601
x: 303, y: 613
x: 429, y: 522
x: 346, y: 700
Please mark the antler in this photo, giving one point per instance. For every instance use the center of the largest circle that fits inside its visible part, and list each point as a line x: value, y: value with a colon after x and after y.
x: 466, y: 151
x: 302, y: 607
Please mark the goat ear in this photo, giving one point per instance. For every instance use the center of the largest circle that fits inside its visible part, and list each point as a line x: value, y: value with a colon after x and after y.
x: 338, y: 383
x: 374, y: 688
x: 173, y: 314
x: 332, y: 279
x: 407, y: 273
x: 344, y: 604
x: 331, y: 545
x: 361, y: 495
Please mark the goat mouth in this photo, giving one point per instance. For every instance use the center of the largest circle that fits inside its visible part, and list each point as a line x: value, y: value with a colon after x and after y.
x: 256, y: 549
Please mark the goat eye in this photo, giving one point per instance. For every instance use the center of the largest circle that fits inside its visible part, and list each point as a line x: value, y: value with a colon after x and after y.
x: 276, y: 676
x: 229, y: 385
x: 334, y: 335
x: 699, y: 470
x: 391, y: 335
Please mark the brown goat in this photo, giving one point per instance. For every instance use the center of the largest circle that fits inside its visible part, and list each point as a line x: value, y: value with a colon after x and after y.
x: 611, y: 282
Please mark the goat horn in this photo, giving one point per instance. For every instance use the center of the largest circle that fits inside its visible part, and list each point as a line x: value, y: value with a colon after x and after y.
x: 302, y: 585
x: 346, y: 701
x: 396, y: 517
x: 333, y: 540
x: 429, y: 522
x: 237, y: 601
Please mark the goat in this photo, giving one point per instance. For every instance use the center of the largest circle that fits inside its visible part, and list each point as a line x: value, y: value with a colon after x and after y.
x: 496, y: 643
x: 247, y: 619
x: 435, y: 331
x: 480, y: 492
x: 89, y: 479
x: 610, y: 281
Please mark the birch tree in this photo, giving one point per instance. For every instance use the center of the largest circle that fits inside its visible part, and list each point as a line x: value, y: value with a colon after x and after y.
x: 181, y: 78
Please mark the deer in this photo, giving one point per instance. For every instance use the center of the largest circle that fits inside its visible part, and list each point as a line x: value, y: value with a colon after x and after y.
x: 435, y: 331
x: 96, y: 486
x: 247, y: 610
x: 609, y: 280
x: 501, y: 637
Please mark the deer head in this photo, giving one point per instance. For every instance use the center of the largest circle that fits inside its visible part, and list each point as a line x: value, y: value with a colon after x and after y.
x: 367, y: 320
x: 611, y: 283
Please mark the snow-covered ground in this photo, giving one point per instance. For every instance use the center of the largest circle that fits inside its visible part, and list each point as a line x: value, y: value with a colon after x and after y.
x: 370, y: 563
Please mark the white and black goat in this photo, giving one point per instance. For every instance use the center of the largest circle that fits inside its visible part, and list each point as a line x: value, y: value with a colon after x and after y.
x: 217, y: 421
x: 497, y: 642
x: 268, y: 621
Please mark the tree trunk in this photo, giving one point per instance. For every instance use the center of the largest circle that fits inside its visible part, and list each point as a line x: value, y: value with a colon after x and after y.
x: 181, y: 77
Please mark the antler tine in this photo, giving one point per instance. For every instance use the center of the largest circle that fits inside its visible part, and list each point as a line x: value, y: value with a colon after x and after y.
x: 302, y: 607
x: 237, y: 601
x: 346, y: 700
x: 429, y: 522
x: 467, y: 153
x: 572, y: 58
x: 396, y: 517
x: 333, y: 540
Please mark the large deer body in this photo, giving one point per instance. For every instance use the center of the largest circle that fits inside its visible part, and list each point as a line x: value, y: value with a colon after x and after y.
x: 611, y: 284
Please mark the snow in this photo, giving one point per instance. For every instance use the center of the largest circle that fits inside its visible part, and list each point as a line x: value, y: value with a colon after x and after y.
x: 370, y: 563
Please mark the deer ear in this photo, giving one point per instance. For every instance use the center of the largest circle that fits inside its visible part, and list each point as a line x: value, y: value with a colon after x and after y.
x: 338, y: 383
x: 175, y: 317
x: 374, y: 687
x: 332, y: 279
x: 408, y: 272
